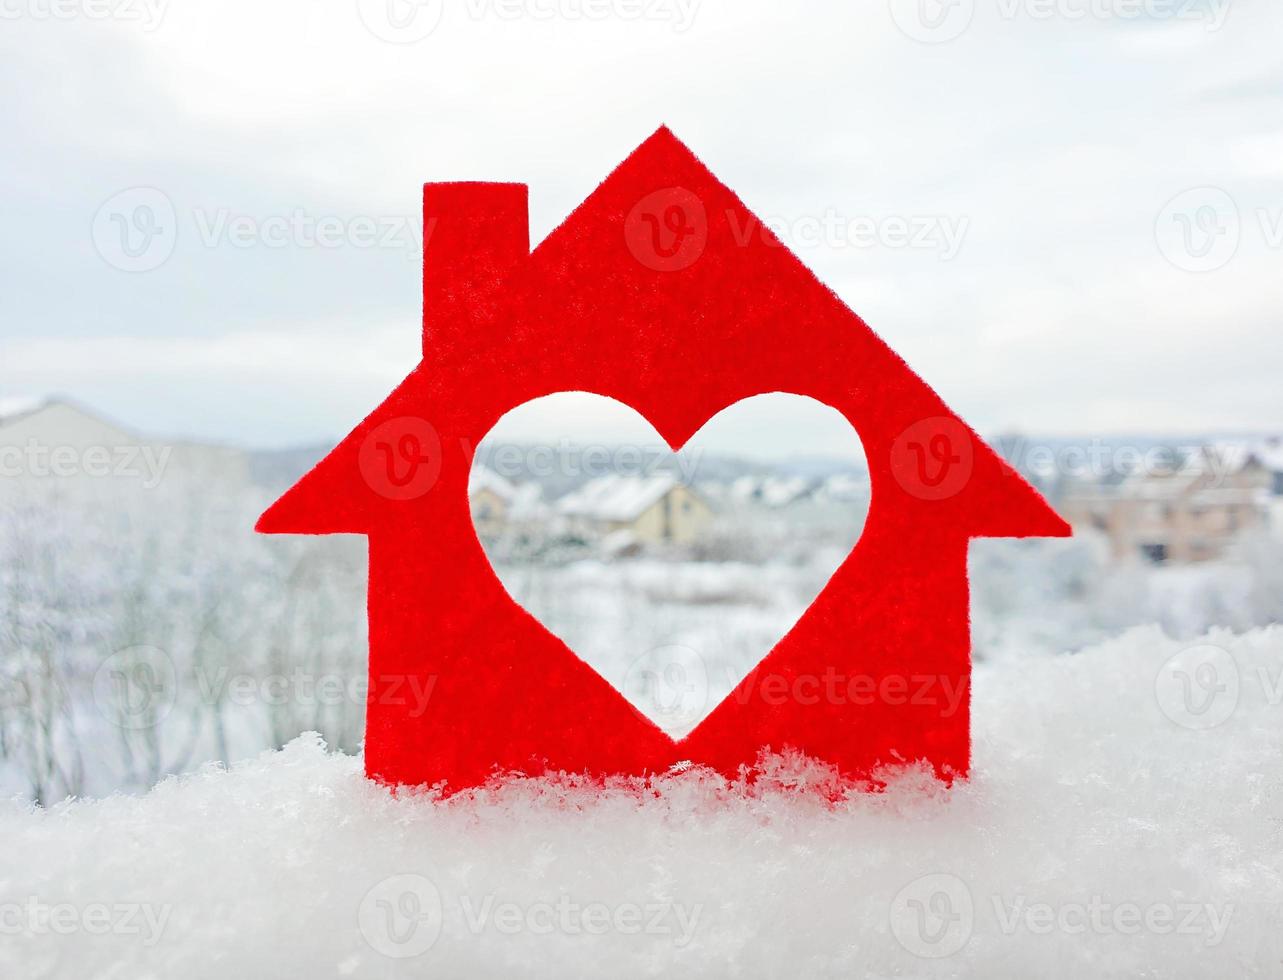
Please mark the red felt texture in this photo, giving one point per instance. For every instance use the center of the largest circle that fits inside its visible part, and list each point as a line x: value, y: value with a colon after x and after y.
x: 664, y: 292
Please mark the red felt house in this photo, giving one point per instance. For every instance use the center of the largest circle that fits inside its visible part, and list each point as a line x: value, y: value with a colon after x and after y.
x: 663, y: 291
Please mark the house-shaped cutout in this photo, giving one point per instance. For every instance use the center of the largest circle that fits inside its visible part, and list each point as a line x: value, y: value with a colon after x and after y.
x: 663, y: 291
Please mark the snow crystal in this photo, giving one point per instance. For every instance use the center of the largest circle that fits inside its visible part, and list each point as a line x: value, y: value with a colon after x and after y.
x: 1124, y: 818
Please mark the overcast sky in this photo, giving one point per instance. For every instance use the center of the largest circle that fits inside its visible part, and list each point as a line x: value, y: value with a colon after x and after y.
x: 1092, y: 189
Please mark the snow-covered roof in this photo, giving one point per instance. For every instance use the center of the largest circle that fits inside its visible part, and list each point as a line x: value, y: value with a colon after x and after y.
x: 483, y: 478
x: 12, y: 406
x: 846, y: 486
x: 1234, y: 456
x: 774, y: 491
x: 1270, y: 453
x: 526, y: 503
x: 617, y: 497
x: 1202, y: 472
x: 1230, y: 457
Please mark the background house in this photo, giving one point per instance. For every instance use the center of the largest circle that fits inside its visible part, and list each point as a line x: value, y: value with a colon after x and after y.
x: 490, y: 497
x: 501, y: 506
x: 1189, y: 511
x: 60, y: 440
x: 656, y: 509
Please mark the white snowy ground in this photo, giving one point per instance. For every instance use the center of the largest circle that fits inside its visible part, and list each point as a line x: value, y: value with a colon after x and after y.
x: 1124, y: 818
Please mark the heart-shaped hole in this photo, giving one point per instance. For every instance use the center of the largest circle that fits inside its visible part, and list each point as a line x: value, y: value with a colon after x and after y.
x: 671, y: 574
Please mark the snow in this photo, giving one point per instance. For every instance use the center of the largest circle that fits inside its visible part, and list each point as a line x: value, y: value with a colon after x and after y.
x: 1112, y: 827
x: 630, y: 620
x: 617, y: 497
x: 484, y: 478
x: 12, y: 406
x: 773, y: 491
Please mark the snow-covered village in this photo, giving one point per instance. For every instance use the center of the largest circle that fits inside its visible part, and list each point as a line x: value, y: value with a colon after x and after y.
x: 662, y: 489
x: 626, y: 552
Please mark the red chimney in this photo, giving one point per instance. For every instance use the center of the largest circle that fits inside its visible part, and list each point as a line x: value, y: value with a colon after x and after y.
x: 474, y: 234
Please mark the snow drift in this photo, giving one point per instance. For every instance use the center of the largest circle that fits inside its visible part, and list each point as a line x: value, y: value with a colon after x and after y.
x: 1124, y: 818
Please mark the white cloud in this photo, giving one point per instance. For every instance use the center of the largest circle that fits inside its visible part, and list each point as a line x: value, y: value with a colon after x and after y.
x: 1058, y: 142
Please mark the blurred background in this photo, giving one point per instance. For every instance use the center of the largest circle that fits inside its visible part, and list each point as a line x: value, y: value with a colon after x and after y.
x: 1067, y: 217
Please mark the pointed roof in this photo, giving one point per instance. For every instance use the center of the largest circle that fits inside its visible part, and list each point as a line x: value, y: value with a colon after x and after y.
x: 484, y: 478
x: 663, y: 272
x: 617, y: 496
